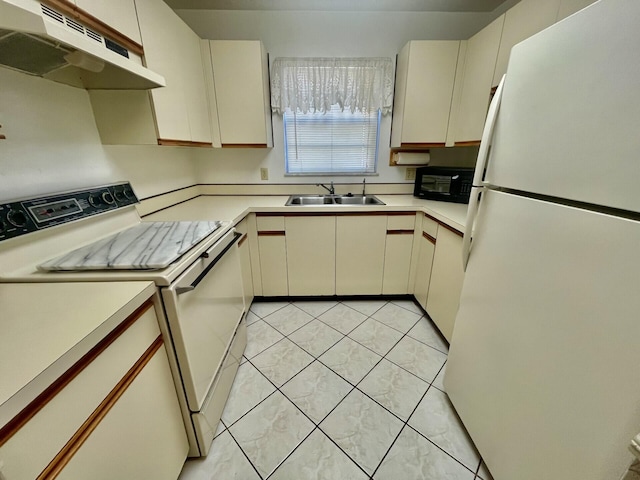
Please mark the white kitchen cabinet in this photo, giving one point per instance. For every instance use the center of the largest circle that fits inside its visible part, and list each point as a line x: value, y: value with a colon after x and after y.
x: 397, y: 254
x: 245, y: 262
x: 239, y: 93
x: 425, y: 76
x: 124, y: 388
x: 427, y: 240
x: 479, y: 67
x: 272, y: 247
x: 360, y: 248
x: 311, y: 255
x: 118, y: 14
x: 524, y: 19
x: 177, y: 114
x: 569, y: 7
x: 445, y: 284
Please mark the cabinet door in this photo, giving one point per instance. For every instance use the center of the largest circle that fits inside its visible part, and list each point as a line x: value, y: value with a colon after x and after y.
x: 240, y: 73
x: 480, y: 62
x: 446, y: 281
x: 311, y: 255
x: 141, y: 436
x: 272, y: 248
x: 521, y: 21
x: 569, y: 7
x: 423, y: 272
x: 397, y: 254
x: 360, y: 246
x: 245, y: 265
x: 195, y: 87
x: 118, y: 14
x: 428, y: 91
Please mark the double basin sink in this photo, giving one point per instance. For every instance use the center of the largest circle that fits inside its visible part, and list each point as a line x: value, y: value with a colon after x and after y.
x: 298, y: 200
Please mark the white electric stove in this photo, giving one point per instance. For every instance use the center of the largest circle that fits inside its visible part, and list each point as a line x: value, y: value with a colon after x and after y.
x: 96, y: 234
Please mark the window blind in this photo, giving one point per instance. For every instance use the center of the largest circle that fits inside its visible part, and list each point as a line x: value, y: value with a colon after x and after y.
x: 336, y: 142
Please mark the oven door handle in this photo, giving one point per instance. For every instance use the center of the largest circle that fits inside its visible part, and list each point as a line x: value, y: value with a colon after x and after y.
x: 194, y: 284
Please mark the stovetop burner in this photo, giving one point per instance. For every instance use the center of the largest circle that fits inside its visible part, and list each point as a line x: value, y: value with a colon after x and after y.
x: 147, y: 246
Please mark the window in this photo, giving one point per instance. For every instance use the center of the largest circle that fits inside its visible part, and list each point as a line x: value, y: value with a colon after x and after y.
x: 335, y: 142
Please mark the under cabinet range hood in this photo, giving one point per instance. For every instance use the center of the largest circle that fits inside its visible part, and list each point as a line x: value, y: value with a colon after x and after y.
x: 44, y: 40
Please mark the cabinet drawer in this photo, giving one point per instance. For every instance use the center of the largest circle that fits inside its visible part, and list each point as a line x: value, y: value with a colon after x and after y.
x: 429, y: 226
x: 401, y: 222
x: 34, y: 445
x: 270, y: 224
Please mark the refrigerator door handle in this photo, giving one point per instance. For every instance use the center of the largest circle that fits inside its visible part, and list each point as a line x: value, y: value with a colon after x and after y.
x: 487, y: 133
x: 481, y: 165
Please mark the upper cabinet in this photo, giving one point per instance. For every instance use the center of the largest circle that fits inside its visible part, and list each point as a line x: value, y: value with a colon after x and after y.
x: 425, y: 76
x: 569, y: 7
x: 239, y: 99
x: 177, y: 114
x: 521, y: 21
x: 118, y: 14
x: 479, y: 66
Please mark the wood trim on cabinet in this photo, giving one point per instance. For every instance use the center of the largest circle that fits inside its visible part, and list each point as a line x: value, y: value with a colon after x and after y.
x: 469, y: 143
x: 451, y: 229
x: 183, y: 143
x: 429, y: 237
x: 422, y: 145
x: 38, y: 403
x: 65, y: 455
x: 272, y: 233
x: 331, y: 214
x: 242, y: 239
x: 399, y: 232
x: 71, y: 10
x: 244, y: 145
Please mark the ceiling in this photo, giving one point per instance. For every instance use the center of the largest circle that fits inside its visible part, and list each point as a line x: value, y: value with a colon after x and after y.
x: 346, y: 5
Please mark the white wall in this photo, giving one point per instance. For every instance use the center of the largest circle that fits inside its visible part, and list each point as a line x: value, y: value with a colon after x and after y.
x: 307, y: 33
x: 53, y: 145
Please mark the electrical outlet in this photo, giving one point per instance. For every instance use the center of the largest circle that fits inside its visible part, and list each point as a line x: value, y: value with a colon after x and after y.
x: 264, y: 174
x: 410, y: 174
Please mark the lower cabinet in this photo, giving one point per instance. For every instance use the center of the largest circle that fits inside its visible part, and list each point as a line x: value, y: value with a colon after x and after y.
x: 397, y: 254
x: 272, y: 247
x: 360, y: 249
x: 447, y: 276
x: 113, y: 414
x: 311, y: 255
x: 423, y: 273
x: 245, y: 263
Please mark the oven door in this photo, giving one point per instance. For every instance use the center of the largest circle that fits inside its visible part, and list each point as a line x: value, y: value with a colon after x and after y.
x: 204, y: 307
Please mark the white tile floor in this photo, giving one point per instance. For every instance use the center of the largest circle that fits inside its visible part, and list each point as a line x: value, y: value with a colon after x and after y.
x: 340, y: 390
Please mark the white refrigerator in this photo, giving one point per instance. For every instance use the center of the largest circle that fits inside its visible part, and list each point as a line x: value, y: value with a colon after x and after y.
x: 544, y: 365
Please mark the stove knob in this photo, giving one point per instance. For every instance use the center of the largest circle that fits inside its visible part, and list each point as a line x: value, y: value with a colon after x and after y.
x: 95, y: 200
x: 119, y: 194
x: 16, y: 218
x: 108, y: 198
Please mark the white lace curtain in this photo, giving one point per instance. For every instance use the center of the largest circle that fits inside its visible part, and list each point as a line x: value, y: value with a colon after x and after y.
x: 315, y: 84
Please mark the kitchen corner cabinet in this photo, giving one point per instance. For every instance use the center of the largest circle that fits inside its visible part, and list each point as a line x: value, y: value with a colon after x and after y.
x: 446, y: 280
x: 272, y: 247
x: 425, y: 77
x: 524, y: 19
x: 245, y: 262
x: 118, y: 14
x: 311, y: 255
x: 113, y: 414
x: 397, y: 254
x: 238, y: 89
x: 360, y: 249
x: 479, y: 67
x: 177, y: 114
x: 427, y: 240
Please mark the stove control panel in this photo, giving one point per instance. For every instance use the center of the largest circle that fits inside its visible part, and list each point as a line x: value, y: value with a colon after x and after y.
x: 26, y: 216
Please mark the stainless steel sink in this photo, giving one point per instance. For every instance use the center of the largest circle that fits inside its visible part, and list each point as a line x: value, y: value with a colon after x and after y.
x: 298, y: 200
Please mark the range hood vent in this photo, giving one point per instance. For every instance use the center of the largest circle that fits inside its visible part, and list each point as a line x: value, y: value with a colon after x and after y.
x: 39, y: 40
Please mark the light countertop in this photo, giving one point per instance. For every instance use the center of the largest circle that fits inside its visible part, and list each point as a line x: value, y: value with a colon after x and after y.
x: 235, y: 208
x: 47, y: 327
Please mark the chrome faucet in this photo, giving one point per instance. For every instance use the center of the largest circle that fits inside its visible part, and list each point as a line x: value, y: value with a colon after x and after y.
x: 330, y: 189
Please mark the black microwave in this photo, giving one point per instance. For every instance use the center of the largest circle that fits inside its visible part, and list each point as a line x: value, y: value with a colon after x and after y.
x: 446, y: 184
